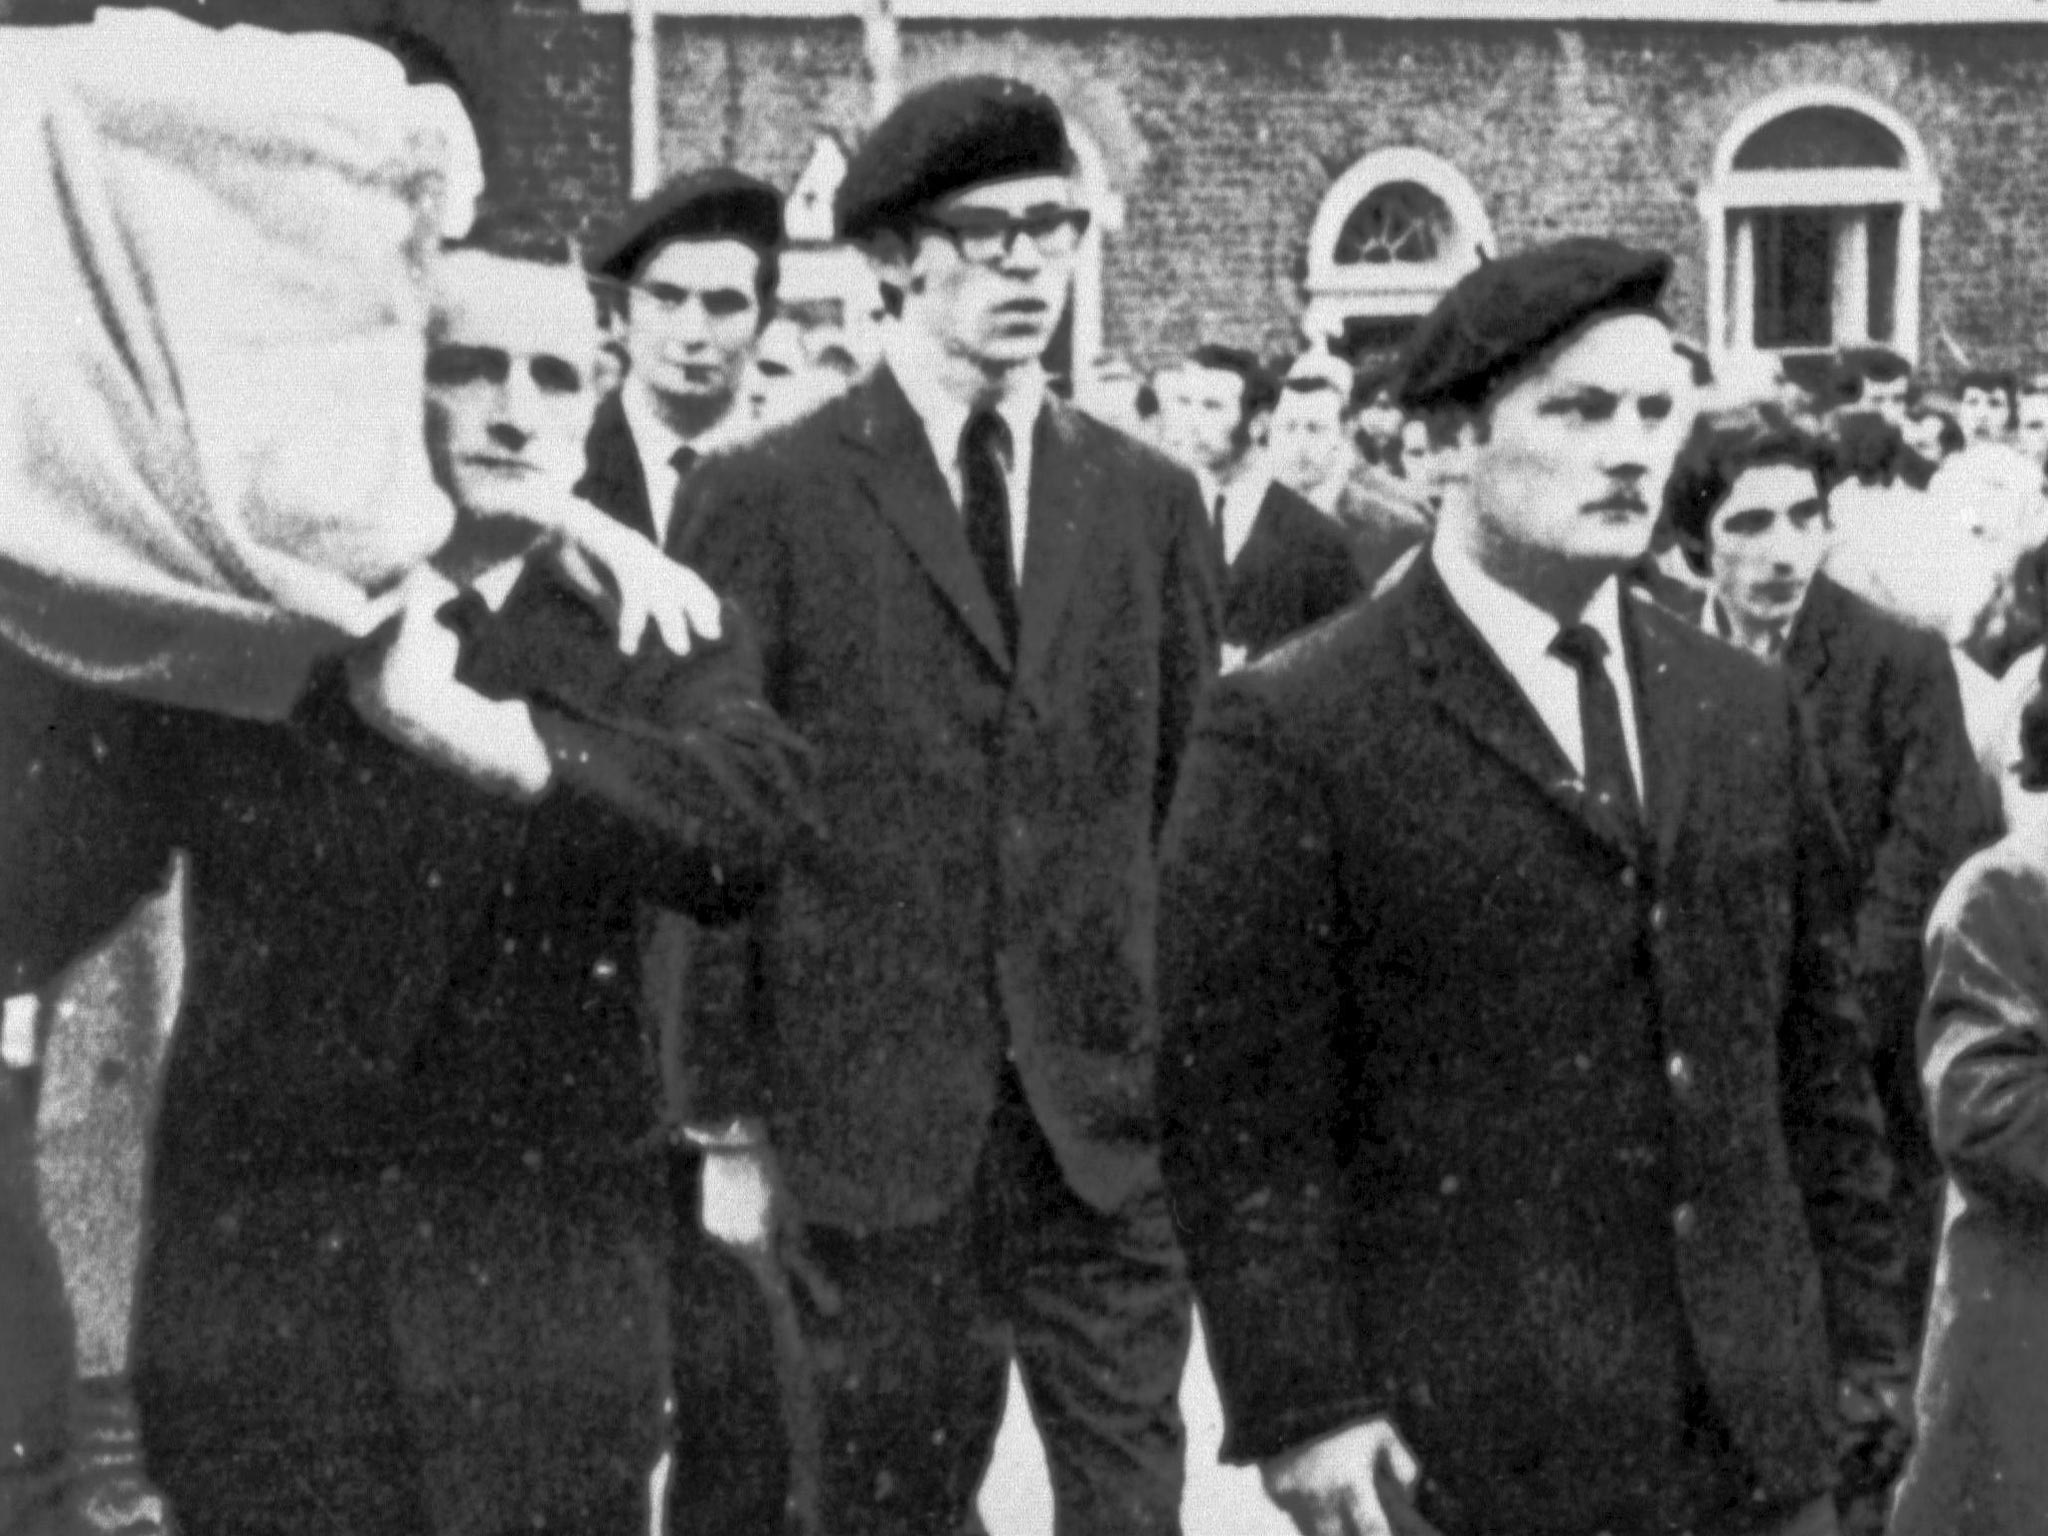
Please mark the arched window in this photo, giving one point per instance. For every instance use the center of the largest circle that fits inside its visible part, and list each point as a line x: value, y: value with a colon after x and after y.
x: 1393, y: 232
x: 1813, y: 226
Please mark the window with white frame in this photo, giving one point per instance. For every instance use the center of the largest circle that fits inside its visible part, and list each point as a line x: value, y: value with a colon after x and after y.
x: 1392, y: 234
x: 1813, y: 227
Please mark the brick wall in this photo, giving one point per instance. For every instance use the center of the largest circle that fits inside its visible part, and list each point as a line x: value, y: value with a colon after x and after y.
x: 1237, y: 129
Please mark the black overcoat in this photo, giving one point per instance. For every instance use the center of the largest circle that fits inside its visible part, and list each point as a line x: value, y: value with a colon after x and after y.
x: 1382, y: 900
x: 1295, y: 569
x: 987, y: 883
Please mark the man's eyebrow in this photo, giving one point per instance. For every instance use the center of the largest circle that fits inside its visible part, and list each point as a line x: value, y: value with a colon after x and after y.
x: 1566, y: 397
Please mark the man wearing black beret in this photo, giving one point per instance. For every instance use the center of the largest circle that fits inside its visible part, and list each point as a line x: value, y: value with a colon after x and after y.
x: 990, y: 615
x: 1516, y: 1111
x: 692, y: 272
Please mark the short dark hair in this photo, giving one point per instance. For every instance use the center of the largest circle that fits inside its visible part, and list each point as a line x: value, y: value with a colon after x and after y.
x: 1856, y: 366
x: 1368, y: 384
x: 1259, y: 389
x: 1988, y: 379
x: 1724, y: 444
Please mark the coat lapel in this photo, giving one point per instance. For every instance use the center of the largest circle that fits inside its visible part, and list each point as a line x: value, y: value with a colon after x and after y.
x: 1670, y: 714
x: 1063, y: 486
x: 612, y: 479
x: 1470, y: 685
x: 897, y: 472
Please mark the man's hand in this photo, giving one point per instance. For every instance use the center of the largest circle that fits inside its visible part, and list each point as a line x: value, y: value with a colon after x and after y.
x: 405, y: 686
x: 624, y: 573
x: 1355, y: 1482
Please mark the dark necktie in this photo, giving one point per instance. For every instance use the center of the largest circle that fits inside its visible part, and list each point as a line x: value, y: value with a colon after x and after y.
x: 1610, y: 789
x: 985, y: 498
x: 1216, y: 529
x: 682, y: 461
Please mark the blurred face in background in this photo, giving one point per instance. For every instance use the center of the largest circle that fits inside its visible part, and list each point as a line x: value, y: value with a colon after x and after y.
x: 1983, y: 413
x: 1201, y: 413
x: 1307, y: 445
x: 2031, y: 436
x: 1887, y: 397
x: 782, y: 383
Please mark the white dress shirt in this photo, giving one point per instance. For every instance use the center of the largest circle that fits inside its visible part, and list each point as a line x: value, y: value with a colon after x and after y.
x: 945, y: 415
x: 1242, y: 499
x: 1520, y: 634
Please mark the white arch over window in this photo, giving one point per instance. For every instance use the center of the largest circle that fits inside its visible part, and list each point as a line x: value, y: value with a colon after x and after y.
x: 1406, y: 277
x: 1804, y: 257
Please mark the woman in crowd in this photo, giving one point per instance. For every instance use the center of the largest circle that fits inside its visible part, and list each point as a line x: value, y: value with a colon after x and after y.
x: 1982, y: 1395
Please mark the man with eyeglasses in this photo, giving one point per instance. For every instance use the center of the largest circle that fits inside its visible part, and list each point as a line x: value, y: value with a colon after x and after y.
x: 690, y: 274
x: 990, y: 614
x: 408, y: 1196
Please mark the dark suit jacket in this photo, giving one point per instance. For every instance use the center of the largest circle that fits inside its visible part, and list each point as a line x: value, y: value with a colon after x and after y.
x: 1882, y: 705
x: 386, y: 962
x: 1382, y: 900
x: 1294, y: 570
x: 613, y: 480
x: 988, y: 876
x: 1976, y: 1466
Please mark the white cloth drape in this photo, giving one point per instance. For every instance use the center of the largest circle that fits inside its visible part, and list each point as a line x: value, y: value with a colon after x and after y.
x: 211, y: 330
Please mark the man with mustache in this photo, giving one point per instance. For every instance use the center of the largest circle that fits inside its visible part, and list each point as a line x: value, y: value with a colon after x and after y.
x: 990, y: 614
x: 1515, y: 1108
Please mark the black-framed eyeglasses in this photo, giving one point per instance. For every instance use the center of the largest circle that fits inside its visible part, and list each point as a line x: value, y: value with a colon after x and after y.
x: 988, y: 234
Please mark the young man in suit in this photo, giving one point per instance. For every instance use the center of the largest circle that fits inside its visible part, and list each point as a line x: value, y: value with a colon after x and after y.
x: 1281, y: 565
x: 1749, y: 505
x: 404, y: 1271
x: 1515, y: 1110
x: 990, y: 615
x: 691, y: 273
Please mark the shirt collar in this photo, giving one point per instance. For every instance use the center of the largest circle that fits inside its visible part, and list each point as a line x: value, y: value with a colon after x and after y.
x: 657, y: 441
x: 1519, y: 632
x: 919, y: 372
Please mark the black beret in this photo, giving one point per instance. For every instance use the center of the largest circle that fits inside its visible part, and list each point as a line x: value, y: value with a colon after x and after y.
x: 718, y: 204
x: 956, y: 134
x: 1504, y: 314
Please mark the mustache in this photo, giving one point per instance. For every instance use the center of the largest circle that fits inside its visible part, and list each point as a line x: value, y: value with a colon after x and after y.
x: 1619, y: 501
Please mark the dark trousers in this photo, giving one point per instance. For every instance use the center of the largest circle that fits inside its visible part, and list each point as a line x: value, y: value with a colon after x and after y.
x: 354, y: 1353
x: 908, y: 1335
x: 35, y: 1329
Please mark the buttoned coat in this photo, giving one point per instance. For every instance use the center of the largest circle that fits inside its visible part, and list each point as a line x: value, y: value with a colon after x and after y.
x: 1976, y: 1467
x: 987, y: 882
x: 1294, y: 570
x: 1379, y: 882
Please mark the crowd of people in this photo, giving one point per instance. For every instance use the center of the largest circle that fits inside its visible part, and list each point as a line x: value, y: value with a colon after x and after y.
x: 1430, y: 864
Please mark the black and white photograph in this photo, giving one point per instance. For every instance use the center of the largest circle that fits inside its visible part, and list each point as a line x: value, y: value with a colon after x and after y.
x: 1024, y: 768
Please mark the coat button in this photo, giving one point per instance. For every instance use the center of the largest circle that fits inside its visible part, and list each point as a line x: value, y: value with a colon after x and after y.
x: 605, y: 969
x: 1628, y: 878
x: 1679, y: 1070
x: 1659, y: 917
x: 1685, y: 1220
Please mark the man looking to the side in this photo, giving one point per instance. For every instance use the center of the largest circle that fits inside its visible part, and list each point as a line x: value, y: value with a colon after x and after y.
x: 1515, y: 1108
x: 691, y: 275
